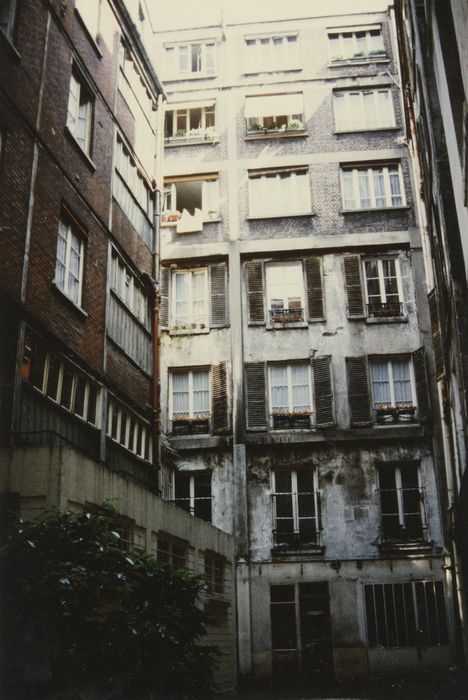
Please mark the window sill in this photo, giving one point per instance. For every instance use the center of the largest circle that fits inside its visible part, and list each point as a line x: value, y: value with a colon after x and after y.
x: 82, y: 153
x: 9, y: 43
x: 297, y: 551
x: 174, y: 141
x: 262, y: 135
x: 197, y: 76
x: 365, y: 131
x: 286, y: 215
x: 68, y: 301
x: 168, y: 224
x: 400, y: 207
x: 92, y: 40
x: 286, y: 326
x: 359, y: 61
x: 405, y: 547
x: 386, y: 319
x: 189, y: 331
x: 259, y: 71
x: 191, y: 442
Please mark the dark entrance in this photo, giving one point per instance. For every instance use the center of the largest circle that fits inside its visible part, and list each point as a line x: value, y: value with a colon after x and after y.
x: 315, y: 631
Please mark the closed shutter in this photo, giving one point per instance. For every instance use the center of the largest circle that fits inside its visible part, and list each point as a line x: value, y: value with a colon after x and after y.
x: 422, y: 391
x: 358, y: 391
x: 313, y: 268
x: 323, y: 391
x: 436, y: 334
x: 254, y: 279
x: 219, y: 398
x: 256, y: 396
x: 352, y: 268
x: 218, y: 296
x: 164, y: 276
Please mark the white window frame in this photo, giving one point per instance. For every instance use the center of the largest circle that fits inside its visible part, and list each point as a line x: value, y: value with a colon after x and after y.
x: 200, y: 325
x: 9, y: 21
x: 215, y: 564
x: 191, y: 412
x: 389, y: 362
x: 170, y: 195
x: 266, y: 58
x: 192, y: 499
x: 295, y: 493
x: 270, y: 265
x: 290, y: 408
x: 370, y: 170
x: 397, y: 469
x: 294, y: 121
x: 384, y: 118
x: 68, y: 232
x: 205, y: 44
x: 141, y: 431
x: 134, y: 298
x: 382, y: 278
x: 202, y: 132
x: 357, y: 49
x: 80, y: 111
x: 269, y: 200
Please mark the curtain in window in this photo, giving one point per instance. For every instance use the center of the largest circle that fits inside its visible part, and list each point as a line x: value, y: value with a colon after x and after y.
x: 182, y: 297
x: 279, y: 388
x: 199, y: 297
x: 395, y: 186
x: 201, y: 394
x: 380, y: 383
x: 180, y: 395
x: 402, y: 382
x: 348, y: 190
x: 364, y: 192
x: 369, y: 106
x: 379, y: 187
x: 300, y: 388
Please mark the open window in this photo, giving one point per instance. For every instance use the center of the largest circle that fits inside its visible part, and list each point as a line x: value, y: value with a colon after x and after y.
x: 187, y: 122
x: 193, y: 493
x: 295, y: 503
x: 285, y: 292
x: 356, y: 44
x: 190, y: 60
x: 401, y: 503
x: 274, y: 113
x: 190, y: 201
x: 383, y: 288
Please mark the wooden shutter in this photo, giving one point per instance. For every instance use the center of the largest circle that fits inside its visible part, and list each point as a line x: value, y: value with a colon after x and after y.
x: 218, y: 295
x: 323, y: 392
x: 352, y: 268
x: 358, y: 391
x: 422, y: 390
x: 254, y: 279
x: 164, y: 277
x: 256, y: 396
x: 220, y: 417
x: 436, y: 334
x: 313, y: 268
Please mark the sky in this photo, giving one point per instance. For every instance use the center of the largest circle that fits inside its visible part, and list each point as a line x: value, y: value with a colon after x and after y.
x: 175, y: 14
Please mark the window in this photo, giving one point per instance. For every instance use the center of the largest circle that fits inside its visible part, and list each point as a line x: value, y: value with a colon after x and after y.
x: 190, y: 202
x: 290, y: 396
x: 383, y: 288
x: 284, y: 192
x: 274, y: 113
x: 363, y: 109
x: 401, y: 502
x: 131, y: 83
x: 190, y: 298
x: 124, y: 283
x: 129, y: 431
x: 392, y: 391
x: 295, y: 506
x: 69, y: 261
x: 190, y: 401
x: 372, y: 187
x: 214, y: 572
x: 193, y: 493
x: 171, y: 551
x: 409, y: 614
x: 7, y: 16
x: 191, y: 60
x: 132, y: 193
x: 283, y: 617
x: 80, y: 111
x: 285, y: 292
x: 89, y: 13
x: 356, y: 43
x: 271, y: 53
x: 194, y: 121
x: 62, y: 382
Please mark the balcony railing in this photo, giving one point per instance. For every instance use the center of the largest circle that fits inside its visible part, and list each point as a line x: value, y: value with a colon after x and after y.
x: 190, y: 426
x: 286, y: 316
x: 291, y: 421
x: 390, y: 309
x: 297, y: 530
x: 401, y: 413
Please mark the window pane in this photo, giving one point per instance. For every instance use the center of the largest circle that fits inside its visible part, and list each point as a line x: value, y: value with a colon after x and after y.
x: 402, y: 382
x: 67, y: 387
x: 300, y: 388
x: 379, y: 187
x: 380, y: 383
x: 201, y: 393
x: 53, y: 376
x: 279, y: 388
x: 180, y: 394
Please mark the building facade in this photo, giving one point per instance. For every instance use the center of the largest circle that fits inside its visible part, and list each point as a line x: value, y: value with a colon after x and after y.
x: 297, y: 374
x: 80, y: 122
x: 434, y: 60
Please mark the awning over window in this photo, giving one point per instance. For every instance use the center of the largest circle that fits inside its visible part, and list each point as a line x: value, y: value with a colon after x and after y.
x: 273, y: 105
x: 189, y: 105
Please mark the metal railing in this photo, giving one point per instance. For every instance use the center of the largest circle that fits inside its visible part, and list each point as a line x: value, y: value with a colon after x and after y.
x: 286, y: 316
x: 390, y: 309
x: 385, y: 415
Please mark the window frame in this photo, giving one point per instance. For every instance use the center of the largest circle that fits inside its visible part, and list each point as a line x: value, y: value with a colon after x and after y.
x: 383, y: 123
x: 295, y: 536
x: 290, y: 413
x: 397, y: 469
x: 289, y: 319
x: 191, y: 418
x: 172, y: 215
x: 273, y: 193
x: 204, y: 133
x: 382, y: 293
x: 176, y: 70
x: 357, y: 56
x: 84, y: 92
x: 255, y: 125
x: 200, y: 326
x: 393, y: 411
x: 268, y: 60
x: 371, y: 169
x: 215, y: 569
x: 192, y: 498
x: 140, y: 430
x: 170, y: 557
x: 72, y: 232
x: 136, y: 290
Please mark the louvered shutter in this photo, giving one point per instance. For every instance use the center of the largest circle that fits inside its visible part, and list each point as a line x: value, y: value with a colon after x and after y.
x: 358, y: 391
x: 422, y: 389
x: 218, y: 295
x: 436, y: 334
x: 313, y: 268
x: 219, y: 395
x: 323, y: 392
x: 164, y: 277
x: 352, y: 268
x: 254, y: 279
x: 256, y: 396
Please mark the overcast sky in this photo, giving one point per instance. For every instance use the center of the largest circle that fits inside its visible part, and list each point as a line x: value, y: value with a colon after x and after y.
x: 174, y: 14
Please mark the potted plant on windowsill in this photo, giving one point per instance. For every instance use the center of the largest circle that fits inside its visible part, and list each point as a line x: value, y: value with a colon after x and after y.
x: 291, y: 419
x: 406, y: 412
x: 254, y: 128
x: 385, y: 413
x: 295, y: 125
x: 170, y: 216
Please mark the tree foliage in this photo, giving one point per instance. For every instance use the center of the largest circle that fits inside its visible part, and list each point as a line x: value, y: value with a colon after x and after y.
x: 81, y: 614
